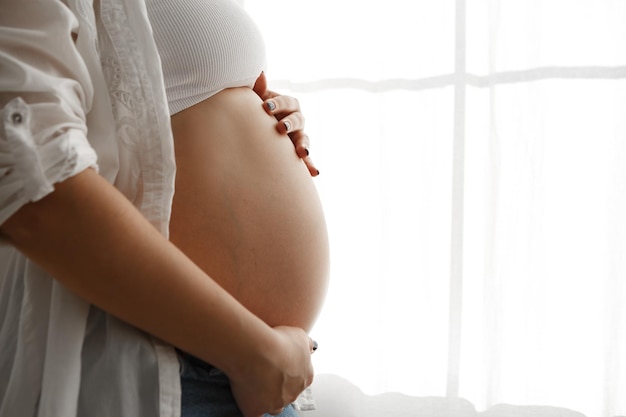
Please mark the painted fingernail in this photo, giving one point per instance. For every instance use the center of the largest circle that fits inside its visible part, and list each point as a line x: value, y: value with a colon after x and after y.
x: 287, y: 125
x: 314, y: 346
x: 271, y: 106
x: 317, y: 172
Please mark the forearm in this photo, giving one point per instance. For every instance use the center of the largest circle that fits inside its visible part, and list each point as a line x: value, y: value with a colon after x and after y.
x: 93, y: 241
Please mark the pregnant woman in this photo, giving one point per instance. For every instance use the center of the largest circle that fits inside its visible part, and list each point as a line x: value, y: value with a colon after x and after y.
x: 245, y: 208
x: 93, y: 295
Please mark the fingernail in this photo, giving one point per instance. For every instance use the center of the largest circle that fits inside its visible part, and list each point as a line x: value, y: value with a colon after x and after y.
x: 287, y: 125
x: 314, y: 346
x: 317, y: 172
x: 306, y: 150
x: 271, y: 106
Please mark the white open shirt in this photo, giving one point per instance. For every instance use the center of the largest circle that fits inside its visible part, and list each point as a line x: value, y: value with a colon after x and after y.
x: 65, y: 106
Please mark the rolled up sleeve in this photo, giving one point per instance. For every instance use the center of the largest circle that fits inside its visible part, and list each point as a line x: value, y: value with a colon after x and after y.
x: 45, y: 94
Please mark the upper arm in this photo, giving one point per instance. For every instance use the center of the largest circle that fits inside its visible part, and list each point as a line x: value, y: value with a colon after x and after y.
x: 45, y: 94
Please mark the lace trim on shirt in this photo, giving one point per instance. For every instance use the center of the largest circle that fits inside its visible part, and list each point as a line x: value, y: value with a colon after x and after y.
x: 133, y: 74
x: 126, y: 78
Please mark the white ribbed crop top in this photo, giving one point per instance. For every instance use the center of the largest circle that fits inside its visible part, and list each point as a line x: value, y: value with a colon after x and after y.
x: 206, y: 46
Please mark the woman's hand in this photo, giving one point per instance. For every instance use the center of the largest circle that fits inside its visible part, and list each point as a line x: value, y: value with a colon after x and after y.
x: 269, y: 386
x: 286, y: 109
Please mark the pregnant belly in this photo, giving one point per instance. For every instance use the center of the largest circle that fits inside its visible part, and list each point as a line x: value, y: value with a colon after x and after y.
x: 246, y: 210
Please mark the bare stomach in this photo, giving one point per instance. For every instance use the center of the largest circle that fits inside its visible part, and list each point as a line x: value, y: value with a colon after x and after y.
x: 246, y: 209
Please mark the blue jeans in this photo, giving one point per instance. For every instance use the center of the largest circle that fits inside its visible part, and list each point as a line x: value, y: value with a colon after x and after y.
x: 206, y: 391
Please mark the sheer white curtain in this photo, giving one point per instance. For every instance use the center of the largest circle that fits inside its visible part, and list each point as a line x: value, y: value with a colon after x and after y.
x: 473, y: 172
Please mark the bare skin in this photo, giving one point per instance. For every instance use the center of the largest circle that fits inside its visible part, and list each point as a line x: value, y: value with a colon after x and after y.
x: 91, y: 239
x: 246, y: 210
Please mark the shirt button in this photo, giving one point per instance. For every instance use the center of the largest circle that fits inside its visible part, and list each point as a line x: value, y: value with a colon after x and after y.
x: 16, y: 118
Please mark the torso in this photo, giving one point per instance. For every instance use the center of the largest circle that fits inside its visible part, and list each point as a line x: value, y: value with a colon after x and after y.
x: 246, y: 209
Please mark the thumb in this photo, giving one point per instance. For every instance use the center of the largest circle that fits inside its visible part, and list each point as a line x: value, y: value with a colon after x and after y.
x: 260, y: 86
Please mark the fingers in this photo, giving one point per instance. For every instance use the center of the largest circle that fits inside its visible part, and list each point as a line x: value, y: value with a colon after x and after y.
x: 260, y: 87
x: 308, y: 162
x: 301, y: 143
x: 294, y: 122
x: 280, y: 105
x: 286, y: 109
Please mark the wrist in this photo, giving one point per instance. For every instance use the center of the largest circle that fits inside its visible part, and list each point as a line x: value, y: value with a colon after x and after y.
x: 257, y: 354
